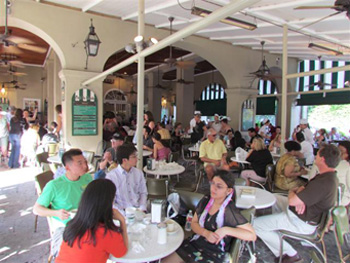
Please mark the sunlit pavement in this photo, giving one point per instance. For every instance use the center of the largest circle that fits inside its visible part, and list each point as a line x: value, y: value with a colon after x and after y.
x: 18, y: 242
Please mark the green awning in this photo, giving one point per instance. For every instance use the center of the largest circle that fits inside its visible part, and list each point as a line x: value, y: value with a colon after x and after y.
x: 210, y: 107
x: 341, y: 97
x: 266, y: 106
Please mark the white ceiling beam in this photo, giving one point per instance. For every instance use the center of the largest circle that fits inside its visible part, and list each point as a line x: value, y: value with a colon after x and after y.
x: 232, y: 28
x: 155, y: 8
x: 283, y: 5
x: 91, y: 5
x: 167, y: 15
x: 291, y: 34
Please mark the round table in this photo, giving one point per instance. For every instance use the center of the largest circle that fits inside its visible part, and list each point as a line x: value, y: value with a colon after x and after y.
x: 153, y: 250
x: 55, y: 159
x: 146, y: 153
x: 260, y: 199
x: 234, y: 159
x: 193, y: 149
x: 167, y: 170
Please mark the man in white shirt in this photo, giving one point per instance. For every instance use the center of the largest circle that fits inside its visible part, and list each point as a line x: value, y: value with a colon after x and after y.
x: 130, y: 181
x: 265, y: 129
x: 193, y: 121
x: 304, y: 126
x: 306, y: 149
x: 216, y: 125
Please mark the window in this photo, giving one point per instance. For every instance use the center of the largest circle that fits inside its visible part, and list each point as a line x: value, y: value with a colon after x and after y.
x: 213, y: 91
x: 212, y: 100
x: 247, y: 115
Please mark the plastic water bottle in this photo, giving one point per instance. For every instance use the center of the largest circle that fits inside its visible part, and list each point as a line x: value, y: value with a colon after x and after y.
x: 188, y: 221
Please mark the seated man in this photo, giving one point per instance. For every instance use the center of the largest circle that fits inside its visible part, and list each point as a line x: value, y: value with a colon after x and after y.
x: 107, y: 164
x: 116, y: 141
x: 63, y: 194
x: 130, y: 181
x: 213, y: 153
x: 147, y: 139
x: 302, y: 210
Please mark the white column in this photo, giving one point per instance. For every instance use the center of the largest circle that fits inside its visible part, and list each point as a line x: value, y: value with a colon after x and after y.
x: 184, y: 96
x: 73, y: 79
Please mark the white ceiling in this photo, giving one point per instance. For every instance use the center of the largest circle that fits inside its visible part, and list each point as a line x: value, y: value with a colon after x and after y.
x: 268, y: 15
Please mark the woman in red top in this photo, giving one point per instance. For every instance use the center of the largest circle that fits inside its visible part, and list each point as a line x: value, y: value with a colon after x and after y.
x: 91, y: 235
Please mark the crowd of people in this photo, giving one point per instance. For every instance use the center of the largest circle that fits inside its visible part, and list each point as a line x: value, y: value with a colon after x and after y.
x: 22, y: 133
x: 118, y: 184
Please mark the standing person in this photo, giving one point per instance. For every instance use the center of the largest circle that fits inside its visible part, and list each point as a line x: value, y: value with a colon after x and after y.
x: 149, y: 121
x: 63, y: 194
x: 302, y: 210
x: 304, y: 128
x: 193, y: 121
x: 59, y: 129
x: 216, y: 125
x: 17, y: 125
x: 213, y: 153
x: 215, y: 223
x: 91, y: 236
x: 130, y: 181
x: 198, y: 129
x: 4, y: 137
x: 26, y: 115
x: 259, y: 157
x: 10, y: 113
x: 265, y: 129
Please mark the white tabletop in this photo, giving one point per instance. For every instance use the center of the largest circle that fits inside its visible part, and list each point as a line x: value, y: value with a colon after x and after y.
x: 55, y: 159
x: 168, y: 169
x: 153, y: 250
x: 193, y: 149
x: 234, y: 159
x: 275, y: 155
x: 146, y: 153
x: 262, y: 199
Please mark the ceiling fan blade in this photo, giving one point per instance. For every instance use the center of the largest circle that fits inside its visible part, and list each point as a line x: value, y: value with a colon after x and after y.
x: 19, y: 40
x: 10, y: 49
x: 15, y: 73
x: 35, y: 49
x: 314, y: 7
x: 186, y: 64
x: 321, y: 19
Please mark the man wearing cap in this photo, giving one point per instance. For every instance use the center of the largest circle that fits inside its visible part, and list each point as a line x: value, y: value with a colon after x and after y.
x: 265, y: 129
x: 116, y: 141
x: 198, y: 130
x: 213, y: 153
x: 216, y: 125
x: 193, y: 121
x: 304, y: 127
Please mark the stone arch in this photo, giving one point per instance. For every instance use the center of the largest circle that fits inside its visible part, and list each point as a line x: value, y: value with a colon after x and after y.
x: 16, y: 22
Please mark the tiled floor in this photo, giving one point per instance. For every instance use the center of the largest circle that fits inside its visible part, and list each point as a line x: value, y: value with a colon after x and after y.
x: 19, y: 243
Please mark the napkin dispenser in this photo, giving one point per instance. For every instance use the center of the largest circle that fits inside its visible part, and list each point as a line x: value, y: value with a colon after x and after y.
x: 151, y: 164
x: 157, y: 210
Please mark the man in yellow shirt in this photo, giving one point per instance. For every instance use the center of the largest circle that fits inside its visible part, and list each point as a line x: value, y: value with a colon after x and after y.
x: 213, y: 153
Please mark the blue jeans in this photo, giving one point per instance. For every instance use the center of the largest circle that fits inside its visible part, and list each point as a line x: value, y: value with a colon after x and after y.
x: 15, y: 140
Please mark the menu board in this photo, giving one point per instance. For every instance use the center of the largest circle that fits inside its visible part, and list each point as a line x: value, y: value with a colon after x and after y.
x: 84, y: 111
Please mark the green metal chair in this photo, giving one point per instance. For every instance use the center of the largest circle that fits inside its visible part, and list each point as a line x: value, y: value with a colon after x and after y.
x: 312, y: 239
x: 157, y: 188
x: 341, y: 222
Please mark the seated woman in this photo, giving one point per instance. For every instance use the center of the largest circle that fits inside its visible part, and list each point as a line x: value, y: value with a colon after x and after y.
x: 91, y: 235
x: 322, y: 137
x: 215, y: 223
x: 275, y: 143
x: 237, y: 141
x: 258, y: 157
x: 160, y: 151
x: 288, y: 169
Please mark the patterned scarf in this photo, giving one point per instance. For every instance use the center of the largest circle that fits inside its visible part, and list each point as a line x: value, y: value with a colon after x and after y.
x: 219, y: 218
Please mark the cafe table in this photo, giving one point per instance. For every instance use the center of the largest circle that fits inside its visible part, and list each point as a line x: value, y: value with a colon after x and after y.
x: 152, y: 250
x: 167, y: 169
x: 194, y: 148
x: 257, y: 198
x: 234, y: 159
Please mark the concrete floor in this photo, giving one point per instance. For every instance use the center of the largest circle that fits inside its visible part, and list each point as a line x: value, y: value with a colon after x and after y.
x: 19, y: 243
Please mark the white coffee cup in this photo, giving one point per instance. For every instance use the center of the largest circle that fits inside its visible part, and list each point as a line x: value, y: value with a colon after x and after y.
x: 130, y: 214
x: 170, y: 226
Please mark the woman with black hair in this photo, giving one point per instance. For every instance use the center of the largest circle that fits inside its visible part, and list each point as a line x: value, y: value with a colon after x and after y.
x: 91, y: 235
x: 17, y: 126
x: 288, y: 169
x: 216, y: 221
x: 161, y: 150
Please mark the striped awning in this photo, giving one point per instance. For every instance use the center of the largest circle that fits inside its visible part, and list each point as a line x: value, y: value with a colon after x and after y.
x: 326, y: 81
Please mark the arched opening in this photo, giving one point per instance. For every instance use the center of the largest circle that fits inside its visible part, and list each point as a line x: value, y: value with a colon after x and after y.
x: 267, y: 107
x: 248, y: 111
x: 116, y: 101
x: 212, y: 100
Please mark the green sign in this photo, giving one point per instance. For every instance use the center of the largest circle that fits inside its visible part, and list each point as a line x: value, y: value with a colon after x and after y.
x: 84, y: 109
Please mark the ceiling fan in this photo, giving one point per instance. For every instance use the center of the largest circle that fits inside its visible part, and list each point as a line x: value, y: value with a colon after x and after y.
x: 8, y: 60
x: 7, y: 41
x: 158, y: 86
x: 339, y: 6
x: 263, y: 71
x: 321, y: 85
x: 183, y: 81
x: 13, y: 72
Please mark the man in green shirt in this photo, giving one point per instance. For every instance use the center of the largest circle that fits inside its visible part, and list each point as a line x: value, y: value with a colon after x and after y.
x: 63, y: 194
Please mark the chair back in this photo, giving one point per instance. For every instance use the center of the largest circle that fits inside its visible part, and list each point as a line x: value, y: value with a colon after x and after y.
x: 157, y: 188
x: 100, y: 148
x: 89, y: 156
x: 190, y: 199
x: 41, y: 159
x: 270, y: 175
x: 42, y: 179
x: 341, y: 220
x: 341, y: 189
x: 240, y: 182
x: 174, y: 157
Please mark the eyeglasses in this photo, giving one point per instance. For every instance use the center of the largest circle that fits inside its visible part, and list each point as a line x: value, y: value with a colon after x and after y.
x: 212, y: 134
x: 218, y: 186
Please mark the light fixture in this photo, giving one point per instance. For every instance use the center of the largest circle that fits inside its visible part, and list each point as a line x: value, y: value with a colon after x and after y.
x: 3, y: 89
x: 163, y: 102
x: 92, y: 44
x: 228, y: 20
x: 139, y: 41
x: 323, y: 48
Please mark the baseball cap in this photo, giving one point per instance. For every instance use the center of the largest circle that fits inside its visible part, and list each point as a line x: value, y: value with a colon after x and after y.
x: 304, y: 121
x: 197, y: 112
x: 118, y: 136
x: 216, y: 115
